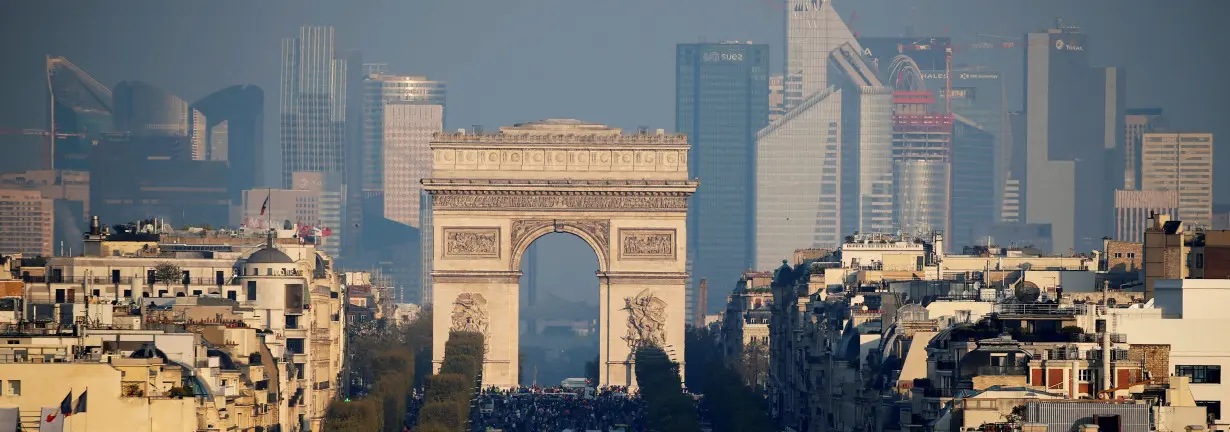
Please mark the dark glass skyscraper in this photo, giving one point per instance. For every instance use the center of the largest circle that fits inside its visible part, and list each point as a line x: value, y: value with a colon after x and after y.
x: 721, y: 101
x: 79, y: 105
x: 238, y: 113
x: 1074, y: 130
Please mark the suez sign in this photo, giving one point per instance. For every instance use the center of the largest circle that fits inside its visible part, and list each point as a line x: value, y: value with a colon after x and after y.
x: 722, y: 56
x: 960, y: 75
x: 1067, y: 46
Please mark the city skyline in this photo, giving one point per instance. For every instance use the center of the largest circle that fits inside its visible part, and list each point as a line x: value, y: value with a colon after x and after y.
x: 759, y: 215
x: 735, y: 19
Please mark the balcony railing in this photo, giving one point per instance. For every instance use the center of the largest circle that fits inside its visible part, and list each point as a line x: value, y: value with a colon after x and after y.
x: 1002, y: 370
x: 1042, y: 309
x: 126, y: 280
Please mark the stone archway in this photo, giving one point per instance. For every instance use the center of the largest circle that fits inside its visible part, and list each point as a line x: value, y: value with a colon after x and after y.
x: 626, y: 196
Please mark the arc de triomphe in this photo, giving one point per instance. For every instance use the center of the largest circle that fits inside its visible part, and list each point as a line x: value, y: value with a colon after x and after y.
x: 625, y: 195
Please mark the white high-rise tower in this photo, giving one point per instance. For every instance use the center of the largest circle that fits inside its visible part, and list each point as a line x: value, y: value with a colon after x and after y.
x: 813, y: 30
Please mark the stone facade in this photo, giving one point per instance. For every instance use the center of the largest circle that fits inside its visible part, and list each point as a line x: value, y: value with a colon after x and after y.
x: 624, y: 195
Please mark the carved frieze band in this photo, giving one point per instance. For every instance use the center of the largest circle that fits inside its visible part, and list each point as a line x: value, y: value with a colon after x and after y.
x: 674, y: 160
x: 470, y: 243
x: 560, y: 202
x: 646, y: 244
x: 475, y: 277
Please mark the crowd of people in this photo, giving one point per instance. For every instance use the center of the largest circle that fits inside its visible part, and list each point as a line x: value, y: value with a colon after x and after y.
x: 557, y: 409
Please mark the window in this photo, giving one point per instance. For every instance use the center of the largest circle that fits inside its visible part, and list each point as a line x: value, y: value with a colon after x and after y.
x: 294, y: 345
x: 232, y: 296
x: 1200, y: 374
x: 1118, y: 254
x: 1131, y: 255
x: 292, y: 321
x: 14, y: 388
x: 251, y: 290
x: 1086, y: 375
x: 1213, y: 408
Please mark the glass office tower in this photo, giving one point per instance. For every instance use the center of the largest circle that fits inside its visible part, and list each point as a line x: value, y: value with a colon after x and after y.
x: 721, y: 102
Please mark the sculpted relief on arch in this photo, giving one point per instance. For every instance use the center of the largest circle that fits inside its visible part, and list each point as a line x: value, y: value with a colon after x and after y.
x: 646, y: 320
x: 598, y: 231
x: 470, y: 314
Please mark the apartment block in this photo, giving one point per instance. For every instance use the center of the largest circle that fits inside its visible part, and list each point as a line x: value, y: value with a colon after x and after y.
x: 27, y: 222
x: 1182, y: 162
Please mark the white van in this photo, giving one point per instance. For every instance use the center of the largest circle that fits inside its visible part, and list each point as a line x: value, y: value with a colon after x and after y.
x: 574, y: 383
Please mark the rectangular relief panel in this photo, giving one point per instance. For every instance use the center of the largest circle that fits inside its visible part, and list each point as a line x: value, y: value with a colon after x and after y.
x: 470, y: 243
x: 646, y: 244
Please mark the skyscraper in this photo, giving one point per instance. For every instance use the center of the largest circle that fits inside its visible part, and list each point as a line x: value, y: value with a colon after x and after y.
x: 721, y: 101
x: 798, y: 180
x: 1073, y: 115
x: 799, y: 156
x: 235, y: 121
x: 867, y: 145
x: 1181, y: 162
x: 1137, y: 122
x: 400, y: 114
x: 813, y: 30
x: 397, y: 126
x: 922, y: 164
x: 78, y: 105
x: 313, y: 104
x: 973, y: 181
x: 145, y: 110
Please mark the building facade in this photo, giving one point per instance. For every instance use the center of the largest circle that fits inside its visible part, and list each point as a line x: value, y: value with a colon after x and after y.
x: 1181, y: 162
x: 1136, y: 123
x: 721, y: 102
x: 973, y: 182
x: 235, y: 124
x: 867, y: 144
x: 27, y: 223
x: 1135, y: 208
x: 313, y: 104
x: 80, y: 107
x: 1073, y: 115
x: 777, y: 97
x: 400, y: 115
x: 798, y: 203
x: 813, y: 30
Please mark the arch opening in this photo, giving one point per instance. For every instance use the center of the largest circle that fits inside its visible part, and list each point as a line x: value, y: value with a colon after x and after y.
x: 559, y: 307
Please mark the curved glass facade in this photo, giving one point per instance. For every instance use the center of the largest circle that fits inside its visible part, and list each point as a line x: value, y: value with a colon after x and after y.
x: 921, y: 202
x: 79, y: 105
x: 144, y: 109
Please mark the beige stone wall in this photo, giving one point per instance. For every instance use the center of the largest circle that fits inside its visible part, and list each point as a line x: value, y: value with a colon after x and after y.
x: 985, y: 381
x: 45, y: 384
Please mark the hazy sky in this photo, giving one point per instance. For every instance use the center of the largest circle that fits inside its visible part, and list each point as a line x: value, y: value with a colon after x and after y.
x: 609, y: 61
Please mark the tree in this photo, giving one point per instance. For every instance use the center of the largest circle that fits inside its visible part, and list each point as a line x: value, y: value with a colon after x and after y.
x: 730, y: 405
x: 355, y: 416
x: 168, y: 273
x: 668, y: 408
x: 754, y: 364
